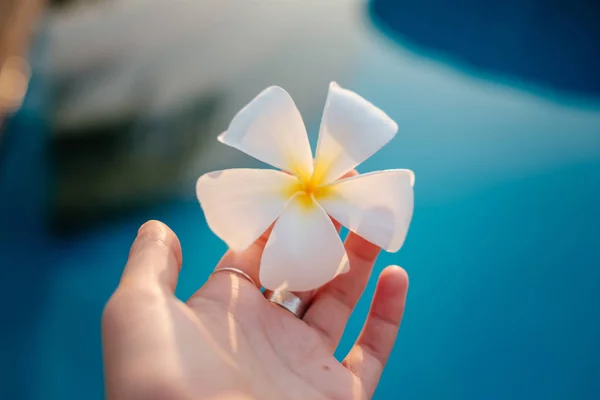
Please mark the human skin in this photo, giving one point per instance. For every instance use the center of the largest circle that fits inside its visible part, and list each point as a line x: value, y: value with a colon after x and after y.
x: 227, y: 342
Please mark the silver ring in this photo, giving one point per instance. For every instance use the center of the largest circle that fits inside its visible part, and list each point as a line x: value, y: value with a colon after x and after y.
x: 237, y: 272
x: 288, y: 301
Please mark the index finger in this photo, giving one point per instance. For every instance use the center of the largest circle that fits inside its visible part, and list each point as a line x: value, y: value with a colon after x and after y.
x: 247, y: 261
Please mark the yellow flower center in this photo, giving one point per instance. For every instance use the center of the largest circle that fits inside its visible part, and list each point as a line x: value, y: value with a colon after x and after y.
x: 307, y: 191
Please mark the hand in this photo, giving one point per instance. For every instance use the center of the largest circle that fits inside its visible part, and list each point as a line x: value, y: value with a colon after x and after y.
x: 228, y: 342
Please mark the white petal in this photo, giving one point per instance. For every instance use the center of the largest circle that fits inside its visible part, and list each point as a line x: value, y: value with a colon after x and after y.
x: 377, y: 206
x: 304, y: 250
x: 240, y: 204
x: 352, y: 130
x: 270, y: 129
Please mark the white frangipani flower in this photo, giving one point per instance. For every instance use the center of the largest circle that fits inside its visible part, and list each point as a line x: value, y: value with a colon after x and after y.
x: 304, y: 250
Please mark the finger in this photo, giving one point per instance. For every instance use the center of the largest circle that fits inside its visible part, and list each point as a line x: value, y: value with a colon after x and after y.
x: 154, y: 259
x: 223, y: 285
x: 247, y: 261
x: 370, y: 352
x: 334, y: 302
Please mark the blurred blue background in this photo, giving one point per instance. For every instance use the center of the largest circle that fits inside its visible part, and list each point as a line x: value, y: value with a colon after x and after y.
x: 499, y: 112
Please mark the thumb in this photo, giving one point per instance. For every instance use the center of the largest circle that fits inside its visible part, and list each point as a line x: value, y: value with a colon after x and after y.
x: 154, y: 259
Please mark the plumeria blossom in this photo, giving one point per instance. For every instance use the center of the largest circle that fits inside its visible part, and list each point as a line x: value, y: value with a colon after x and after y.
x: 304, y: 250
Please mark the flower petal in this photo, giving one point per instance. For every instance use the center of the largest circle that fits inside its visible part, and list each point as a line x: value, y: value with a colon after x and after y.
x: 352, y: 130
x: 240, y: 204
x: 377, y: 206
x: 304, y: 250
x: 270, y: 129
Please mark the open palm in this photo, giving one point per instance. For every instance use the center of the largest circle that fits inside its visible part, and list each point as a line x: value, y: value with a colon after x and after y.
x: 228, y: 342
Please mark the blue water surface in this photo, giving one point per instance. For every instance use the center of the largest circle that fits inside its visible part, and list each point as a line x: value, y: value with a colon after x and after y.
x: 503, y: 252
